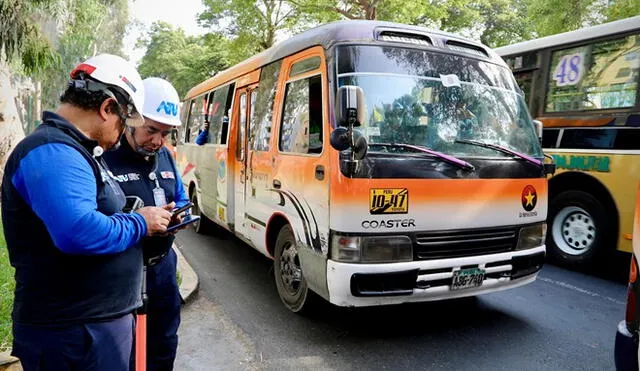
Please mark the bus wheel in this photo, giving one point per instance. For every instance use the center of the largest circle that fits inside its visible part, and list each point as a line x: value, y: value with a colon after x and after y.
x: 579, y: 232
x: 292, y: 287
x: 204, y: 225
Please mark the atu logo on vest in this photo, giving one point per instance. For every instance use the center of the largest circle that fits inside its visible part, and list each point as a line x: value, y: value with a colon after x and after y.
x: 169, y: 108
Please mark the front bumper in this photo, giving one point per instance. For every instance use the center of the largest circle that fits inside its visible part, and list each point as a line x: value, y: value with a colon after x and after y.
x: 626, y: 349
x: 381, y: 284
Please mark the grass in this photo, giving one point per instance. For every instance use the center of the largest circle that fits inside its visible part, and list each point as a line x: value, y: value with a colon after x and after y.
x: 7, y: 285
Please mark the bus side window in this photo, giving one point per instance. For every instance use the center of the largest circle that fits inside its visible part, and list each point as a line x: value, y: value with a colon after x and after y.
x: 594, y: 76
x: 262, y: 115
x: 197, y: 118
x: 183, y: 130
x: 550, y: 138
x: 301, y: 129
x: 219, y: 121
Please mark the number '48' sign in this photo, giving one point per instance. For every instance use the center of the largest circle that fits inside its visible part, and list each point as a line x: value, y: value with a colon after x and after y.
x: 569, y: 70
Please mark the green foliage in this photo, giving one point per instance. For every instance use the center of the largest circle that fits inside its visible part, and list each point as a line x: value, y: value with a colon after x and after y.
x: 93, y: 27
x: 20, y: 38
x: 555, y: 16
x: 620, y: 9
x: 7, y: 285
x: 252, y: 21
x: 183, y: 60
x: 504, y: 22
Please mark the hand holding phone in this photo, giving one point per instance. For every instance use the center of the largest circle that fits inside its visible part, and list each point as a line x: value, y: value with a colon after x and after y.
x: 183, y: 223
x: 177, y: 218
x: 177, y: 212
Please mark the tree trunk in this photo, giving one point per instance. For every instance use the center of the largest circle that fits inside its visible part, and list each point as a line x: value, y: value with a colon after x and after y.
x: 11, y: 131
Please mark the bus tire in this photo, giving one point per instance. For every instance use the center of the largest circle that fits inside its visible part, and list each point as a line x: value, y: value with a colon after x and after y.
x: 290, y: 282
x: 579, y: 232
x: 204, y: 225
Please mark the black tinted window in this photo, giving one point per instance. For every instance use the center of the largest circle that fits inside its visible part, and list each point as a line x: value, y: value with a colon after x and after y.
x: 611, y: 138
x: 550, y: 138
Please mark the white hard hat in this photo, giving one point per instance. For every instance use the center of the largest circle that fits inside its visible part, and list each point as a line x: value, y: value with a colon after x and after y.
x: 162, y: 103
x: 113, y: 70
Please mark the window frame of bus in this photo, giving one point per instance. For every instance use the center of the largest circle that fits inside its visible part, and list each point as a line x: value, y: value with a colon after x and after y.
x: 527, y: 68
x: 194, y: 100
x: 228, y: 103
x: 264, y: 84
x: 548, y: 59
x: 303, y: 75
x: 183, y: 130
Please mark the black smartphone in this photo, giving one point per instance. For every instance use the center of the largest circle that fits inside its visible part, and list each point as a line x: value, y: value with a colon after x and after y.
x: 187, y: 220
x: 132, y: 204
x: 183, y: 208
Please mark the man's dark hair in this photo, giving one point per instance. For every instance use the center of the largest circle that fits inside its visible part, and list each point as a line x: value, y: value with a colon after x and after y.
x: 90, y: 100
x: 82, y: 98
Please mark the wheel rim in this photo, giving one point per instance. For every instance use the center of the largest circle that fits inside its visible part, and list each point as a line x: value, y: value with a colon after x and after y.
x: 290, y: 272
x: 574, y: 231
x: 195, y: 210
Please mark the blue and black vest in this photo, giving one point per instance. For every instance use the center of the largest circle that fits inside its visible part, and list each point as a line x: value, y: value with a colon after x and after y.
x: 132, y: 171
x: 53, y: 287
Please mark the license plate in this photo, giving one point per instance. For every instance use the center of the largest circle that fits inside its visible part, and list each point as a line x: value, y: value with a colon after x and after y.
x: 467, y: 278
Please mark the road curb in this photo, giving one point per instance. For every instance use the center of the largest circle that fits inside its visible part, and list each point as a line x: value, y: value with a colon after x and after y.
x: 190, y: 282
x: 9, y: 363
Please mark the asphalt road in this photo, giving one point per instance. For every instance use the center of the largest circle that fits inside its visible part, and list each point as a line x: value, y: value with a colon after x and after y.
x: 563, y: 321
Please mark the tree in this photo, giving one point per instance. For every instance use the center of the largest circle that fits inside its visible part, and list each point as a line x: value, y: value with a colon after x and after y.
x: 555, y: 16
x: 93, y: 27
x: 20, y: 37
x: 183, y: 60
x: 255, y: 23
x: 620, y: 9
x: 504, y: 22
x: 24, y: 47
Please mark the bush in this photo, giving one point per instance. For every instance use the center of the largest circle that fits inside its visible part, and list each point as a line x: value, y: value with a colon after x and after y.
x: 7, y: 285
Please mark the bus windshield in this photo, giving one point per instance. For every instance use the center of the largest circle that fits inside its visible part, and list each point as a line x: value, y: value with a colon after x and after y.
x: 437, y: 101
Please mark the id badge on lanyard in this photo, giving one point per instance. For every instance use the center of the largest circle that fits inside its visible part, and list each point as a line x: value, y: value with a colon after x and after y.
x: 159, y: 197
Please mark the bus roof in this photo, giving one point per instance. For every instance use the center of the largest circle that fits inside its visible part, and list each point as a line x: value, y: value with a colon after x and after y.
x: 582, y: 34
x: 325, y: 36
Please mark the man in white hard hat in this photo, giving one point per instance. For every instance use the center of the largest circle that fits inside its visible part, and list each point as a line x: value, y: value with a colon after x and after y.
x: 145, y: 168
x: 76, y: 255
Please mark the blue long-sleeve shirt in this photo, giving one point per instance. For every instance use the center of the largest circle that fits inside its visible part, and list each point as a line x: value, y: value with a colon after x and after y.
x: 63, y: 194
x: 203, y: 137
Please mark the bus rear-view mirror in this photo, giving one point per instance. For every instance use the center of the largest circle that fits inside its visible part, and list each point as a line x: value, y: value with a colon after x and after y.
x: 341, y: 140
x: 350, y: 104
x: 538, y: 125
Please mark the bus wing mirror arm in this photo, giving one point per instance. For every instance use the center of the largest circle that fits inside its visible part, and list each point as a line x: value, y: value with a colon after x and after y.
x: 549, y: 168
x: 538, y: 125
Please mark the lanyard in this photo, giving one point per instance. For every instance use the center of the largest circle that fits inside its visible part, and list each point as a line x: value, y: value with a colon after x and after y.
x: 159, y: 197
x: 152, y: 175
x: 107, y: 175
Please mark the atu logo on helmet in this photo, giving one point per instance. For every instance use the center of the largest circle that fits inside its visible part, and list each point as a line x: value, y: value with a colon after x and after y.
x: 168, y: 107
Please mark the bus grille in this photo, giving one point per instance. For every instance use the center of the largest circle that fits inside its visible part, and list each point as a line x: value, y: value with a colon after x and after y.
x: 453, y: 244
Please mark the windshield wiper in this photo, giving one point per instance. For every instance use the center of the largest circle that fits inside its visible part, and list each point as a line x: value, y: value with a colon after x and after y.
x: 500, y: 149
x: 447, y: 158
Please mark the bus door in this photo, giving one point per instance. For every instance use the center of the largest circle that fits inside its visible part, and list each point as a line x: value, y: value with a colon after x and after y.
x: 301, y: 167
x: 243, y: 97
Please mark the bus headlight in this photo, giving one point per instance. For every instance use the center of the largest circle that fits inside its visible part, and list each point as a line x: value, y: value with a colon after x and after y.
x: 371, y: 249
x: 532, y: 236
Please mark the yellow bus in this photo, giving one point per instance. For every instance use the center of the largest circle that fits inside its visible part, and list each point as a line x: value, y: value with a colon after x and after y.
x: 583, y: 86
x: 375, y: 163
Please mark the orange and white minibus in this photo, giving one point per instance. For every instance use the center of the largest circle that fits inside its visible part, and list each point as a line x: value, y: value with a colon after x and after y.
x: 375, y: 163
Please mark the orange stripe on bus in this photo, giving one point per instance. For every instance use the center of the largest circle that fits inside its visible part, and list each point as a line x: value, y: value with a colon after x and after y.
x: 554, y: 122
